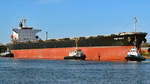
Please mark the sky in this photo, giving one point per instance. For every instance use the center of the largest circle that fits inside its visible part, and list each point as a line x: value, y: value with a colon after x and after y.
x: 73, y: 18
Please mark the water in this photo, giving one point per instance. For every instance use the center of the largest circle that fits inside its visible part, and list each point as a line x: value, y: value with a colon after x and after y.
x: 15, y: 71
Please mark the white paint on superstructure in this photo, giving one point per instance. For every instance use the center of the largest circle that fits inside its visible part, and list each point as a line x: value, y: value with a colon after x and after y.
x: 23, y: 34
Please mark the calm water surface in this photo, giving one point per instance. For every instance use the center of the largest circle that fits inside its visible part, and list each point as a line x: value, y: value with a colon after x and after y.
x: 15, y: 71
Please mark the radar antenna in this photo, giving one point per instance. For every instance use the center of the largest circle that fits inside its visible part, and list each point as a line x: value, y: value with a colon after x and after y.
x: 24, y: 22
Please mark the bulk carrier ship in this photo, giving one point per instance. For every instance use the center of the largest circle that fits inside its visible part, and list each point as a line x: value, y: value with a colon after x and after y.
x: 114, y: 47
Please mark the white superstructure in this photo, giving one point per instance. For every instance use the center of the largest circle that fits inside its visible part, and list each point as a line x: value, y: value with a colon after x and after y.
x: 23, y: 34
x: 76, y: 52
x: 133, y: 52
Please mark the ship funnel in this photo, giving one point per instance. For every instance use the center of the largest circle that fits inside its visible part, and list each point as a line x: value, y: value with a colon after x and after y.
x: 20, y: 25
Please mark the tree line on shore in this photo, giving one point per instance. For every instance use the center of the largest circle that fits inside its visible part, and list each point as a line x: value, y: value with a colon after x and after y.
x: 145, y: 45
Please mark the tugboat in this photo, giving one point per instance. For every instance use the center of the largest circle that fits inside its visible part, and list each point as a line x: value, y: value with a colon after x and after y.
x: 6, y: 53
x: 133, y: 55
x: 76, y: 54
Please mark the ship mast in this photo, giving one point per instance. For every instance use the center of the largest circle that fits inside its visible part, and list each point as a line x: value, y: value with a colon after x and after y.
x: 135, y: 23
x: 135, y: 31
x: 46, y: 35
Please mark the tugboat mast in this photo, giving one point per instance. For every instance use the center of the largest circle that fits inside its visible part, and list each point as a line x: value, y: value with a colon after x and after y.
x: 76, y: 41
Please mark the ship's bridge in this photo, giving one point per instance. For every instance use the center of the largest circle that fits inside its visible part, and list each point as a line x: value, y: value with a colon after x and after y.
x: 23, y: 34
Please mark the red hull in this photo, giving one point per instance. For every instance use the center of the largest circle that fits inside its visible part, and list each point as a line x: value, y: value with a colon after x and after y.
x: 110, y: 53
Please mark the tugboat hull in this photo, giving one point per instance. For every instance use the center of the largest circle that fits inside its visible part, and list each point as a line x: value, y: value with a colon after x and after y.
x: 75, y: 57
x: 134, y: 58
